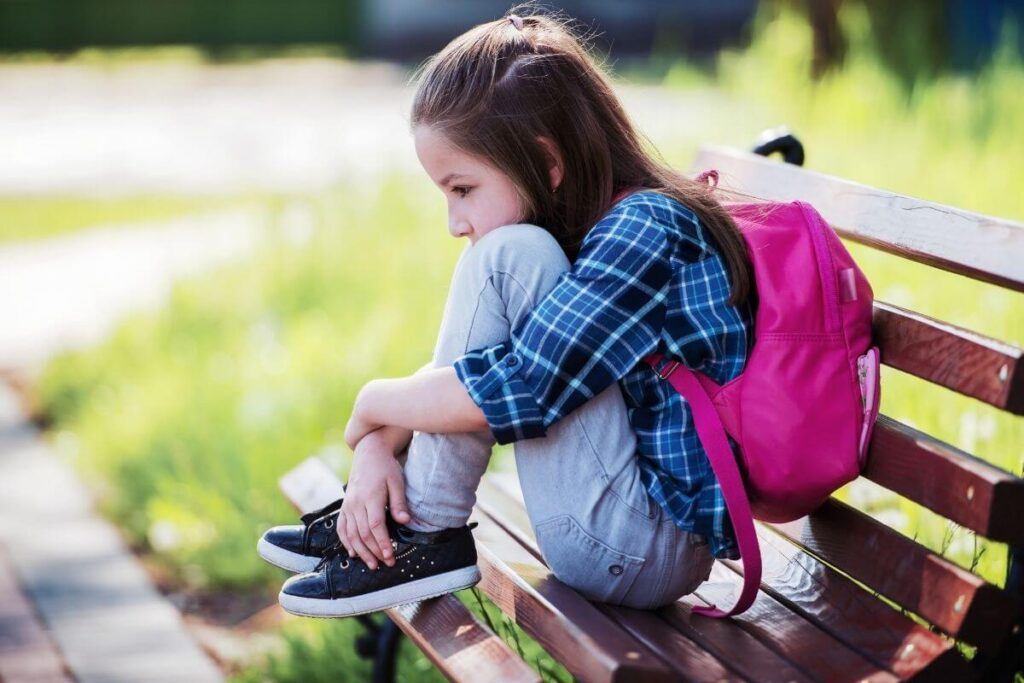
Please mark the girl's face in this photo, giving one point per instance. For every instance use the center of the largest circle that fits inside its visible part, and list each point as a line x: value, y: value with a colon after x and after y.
x: 480, y: 197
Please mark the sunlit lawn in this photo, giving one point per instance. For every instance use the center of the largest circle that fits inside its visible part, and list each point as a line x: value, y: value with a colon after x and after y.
x: 40, y: 216
x: 185, y: 419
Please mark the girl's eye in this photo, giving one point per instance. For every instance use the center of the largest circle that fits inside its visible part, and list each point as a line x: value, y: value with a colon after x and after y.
x: 461, y: 191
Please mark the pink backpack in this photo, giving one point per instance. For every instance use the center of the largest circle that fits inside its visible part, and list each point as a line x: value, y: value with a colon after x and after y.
x: 803, y: 409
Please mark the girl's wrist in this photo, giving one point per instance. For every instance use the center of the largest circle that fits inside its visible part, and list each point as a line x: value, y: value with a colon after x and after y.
x: 393, y: 438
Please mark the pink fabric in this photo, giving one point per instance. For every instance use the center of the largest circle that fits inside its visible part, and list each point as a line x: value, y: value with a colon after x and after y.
x: 803, y: 408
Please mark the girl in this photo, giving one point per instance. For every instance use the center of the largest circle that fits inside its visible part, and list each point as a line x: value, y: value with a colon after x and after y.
x: 542, y: 342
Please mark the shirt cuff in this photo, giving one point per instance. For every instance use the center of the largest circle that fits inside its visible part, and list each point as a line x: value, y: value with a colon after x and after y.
x: 492, y: 378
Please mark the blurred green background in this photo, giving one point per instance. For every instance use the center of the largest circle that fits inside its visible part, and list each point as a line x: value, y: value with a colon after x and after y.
x: 185, y: 417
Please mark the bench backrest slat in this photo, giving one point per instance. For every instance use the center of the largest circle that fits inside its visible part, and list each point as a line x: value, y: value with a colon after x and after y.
x: 972, y: 364
x: 981, y: 247
x: 947, y: 480
x: 310, y: 485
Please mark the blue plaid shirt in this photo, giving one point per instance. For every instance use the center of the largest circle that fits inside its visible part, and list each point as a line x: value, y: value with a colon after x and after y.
x: 648, y: 279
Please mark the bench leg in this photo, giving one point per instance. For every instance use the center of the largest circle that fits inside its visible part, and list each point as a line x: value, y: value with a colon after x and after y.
x: 380, y: 642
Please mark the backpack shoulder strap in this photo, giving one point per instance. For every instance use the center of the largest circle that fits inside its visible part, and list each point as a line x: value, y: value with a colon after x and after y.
x: 723, y: 463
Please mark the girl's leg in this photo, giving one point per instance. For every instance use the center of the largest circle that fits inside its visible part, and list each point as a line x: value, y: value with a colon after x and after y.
x: 595, y: 523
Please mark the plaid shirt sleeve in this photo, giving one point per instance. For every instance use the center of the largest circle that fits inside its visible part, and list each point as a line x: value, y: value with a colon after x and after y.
x: 591, y: 329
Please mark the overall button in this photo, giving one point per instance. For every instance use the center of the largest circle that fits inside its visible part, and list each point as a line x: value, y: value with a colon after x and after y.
x: 615, y: 569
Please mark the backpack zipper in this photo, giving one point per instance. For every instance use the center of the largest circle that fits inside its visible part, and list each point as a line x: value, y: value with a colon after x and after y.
x: 825, y: 267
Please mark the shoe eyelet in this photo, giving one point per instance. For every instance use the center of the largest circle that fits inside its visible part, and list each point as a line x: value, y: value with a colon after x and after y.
x: 329, y: 524
x: 343, y: 564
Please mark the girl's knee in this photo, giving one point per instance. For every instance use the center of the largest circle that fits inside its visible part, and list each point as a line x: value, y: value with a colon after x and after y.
x: 520, y: 248
x: 520, y: 263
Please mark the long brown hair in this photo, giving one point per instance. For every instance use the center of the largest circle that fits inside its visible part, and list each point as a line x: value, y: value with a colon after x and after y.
x: 499, y: 86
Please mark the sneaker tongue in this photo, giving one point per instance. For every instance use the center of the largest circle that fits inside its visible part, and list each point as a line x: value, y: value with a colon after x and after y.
x: 314, y: 515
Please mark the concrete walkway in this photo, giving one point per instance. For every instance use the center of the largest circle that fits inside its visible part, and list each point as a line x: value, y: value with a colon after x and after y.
x: 102, y: 612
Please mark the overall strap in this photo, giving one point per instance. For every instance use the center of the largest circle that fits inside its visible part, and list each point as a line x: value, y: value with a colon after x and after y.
x: 723, y: 463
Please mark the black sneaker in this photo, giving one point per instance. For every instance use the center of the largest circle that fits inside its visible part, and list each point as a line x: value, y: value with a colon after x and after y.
x: 427, y: 564
x: 299, y: 547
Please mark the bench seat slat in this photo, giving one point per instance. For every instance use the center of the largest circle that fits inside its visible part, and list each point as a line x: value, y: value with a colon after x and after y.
x: 982, y: 247
x: 732, y: 647
x: 966, y: 362
x: 690, y: 661
x: 729, y: 643
x: 957, y: 601
x: 881, y: 641
x: 591, y: 646
x: 458, y: 644
x: 833, y: 603
x: 789, y: 634
x: 848, y: 612
x: 955, y: 484
x: 443, y: 628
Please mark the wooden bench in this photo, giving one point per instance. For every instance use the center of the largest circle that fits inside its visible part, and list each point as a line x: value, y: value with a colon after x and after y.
x: 843, y: 596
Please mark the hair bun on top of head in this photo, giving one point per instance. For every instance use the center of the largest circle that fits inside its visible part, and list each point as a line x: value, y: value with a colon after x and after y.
x: 516, y: 20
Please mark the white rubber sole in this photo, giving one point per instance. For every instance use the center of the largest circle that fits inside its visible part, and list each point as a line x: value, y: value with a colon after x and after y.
x: 286, y: 559
x: 414, y: 591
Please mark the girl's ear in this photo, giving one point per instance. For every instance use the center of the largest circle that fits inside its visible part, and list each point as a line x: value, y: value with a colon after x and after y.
x: 556, y: 167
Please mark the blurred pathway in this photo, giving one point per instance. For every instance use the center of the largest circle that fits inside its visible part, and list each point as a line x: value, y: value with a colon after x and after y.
x: 294, y: 125
x: 69, y: 292
x: 94, y: 600
x: 104, y: 616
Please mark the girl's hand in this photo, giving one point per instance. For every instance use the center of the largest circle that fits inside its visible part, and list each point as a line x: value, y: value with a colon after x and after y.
x: 375, y: 481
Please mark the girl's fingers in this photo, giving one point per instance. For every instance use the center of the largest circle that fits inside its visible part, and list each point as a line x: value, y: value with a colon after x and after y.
x: 355, y: 533
x: 380, y: 536
x: 396, y: 499
x: 367, y: 535
x: 342, y: 528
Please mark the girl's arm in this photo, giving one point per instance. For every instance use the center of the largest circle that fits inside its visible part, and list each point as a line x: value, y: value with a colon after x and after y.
x: 375, y: 481
x: 394, y: 435
x: 433, y: 400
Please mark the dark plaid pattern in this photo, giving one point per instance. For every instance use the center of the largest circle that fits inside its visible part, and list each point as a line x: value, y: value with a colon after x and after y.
x: 648, y: 279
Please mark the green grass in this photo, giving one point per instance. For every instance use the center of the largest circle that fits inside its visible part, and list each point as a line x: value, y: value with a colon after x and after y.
x: 313, y: 650
x: 323, y: 651
x: 190, y: 416
x: 36, y: 217
x: 185, y: 419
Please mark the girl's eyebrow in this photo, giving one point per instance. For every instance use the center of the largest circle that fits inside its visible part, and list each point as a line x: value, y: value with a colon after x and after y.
x: 450, y: 177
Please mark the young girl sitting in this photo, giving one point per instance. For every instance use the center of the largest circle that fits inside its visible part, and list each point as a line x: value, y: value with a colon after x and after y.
x: 586, y: 255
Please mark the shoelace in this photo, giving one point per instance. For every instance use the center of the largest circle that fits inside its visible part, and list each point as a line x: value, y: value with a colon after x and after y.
x: 330, y: 553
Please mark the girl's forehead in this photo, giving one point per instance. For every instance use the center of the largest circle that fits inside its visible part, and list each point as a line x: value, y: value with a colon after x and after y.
x: 435, y: 143
x: 437, y: 153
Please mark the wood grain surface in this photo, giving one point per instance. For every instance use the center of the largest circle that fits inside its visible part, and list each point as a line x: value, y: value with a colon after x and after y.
x: 981, y: 247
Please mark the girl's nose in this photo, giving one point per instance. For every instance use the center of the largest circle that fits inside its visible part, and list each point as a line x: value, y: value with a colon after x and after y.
x: 459, y: 228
